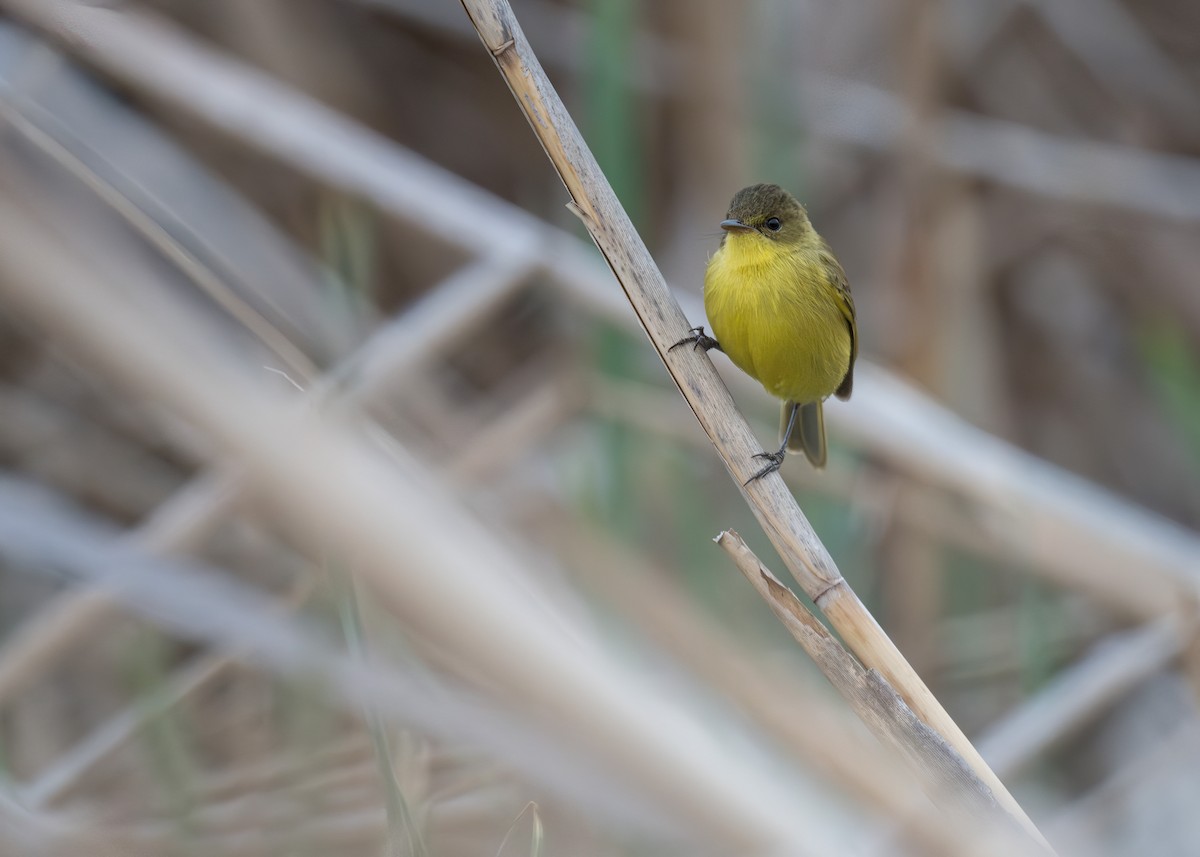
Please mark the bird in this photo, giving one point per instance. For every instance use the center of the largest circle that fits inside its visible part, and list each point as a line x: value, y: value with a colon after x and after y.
x: 780, y: 308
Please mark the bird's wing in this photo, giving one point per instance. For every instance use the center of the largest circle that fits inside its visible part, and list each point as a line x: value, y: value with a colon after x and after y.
x: 833, y: 270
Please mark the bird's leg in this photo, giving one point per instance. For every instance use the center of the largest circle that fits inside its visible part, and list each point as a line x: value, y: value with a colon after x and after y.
x: 775, y: 459
x: 699, y: 340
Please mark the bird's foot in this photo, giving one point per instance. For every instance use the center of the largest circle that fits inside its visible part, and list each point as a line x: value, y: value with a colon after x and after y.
x: 700, y: 341
x: 774, y: 462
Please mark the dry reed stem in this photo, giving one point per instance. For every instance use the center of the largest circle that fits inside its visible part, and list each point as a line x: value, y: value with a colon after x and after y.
x: 1082, y: 692
x: 160, y: 61
x: 444, y: 312
x: 813, y: 730
x: 164, y: 242
x: 53, y: 631
x: 594, y: 202
x: 183, y: 522
x: 429, y: 562
x: 57, y: 781
x: 103, y: 462
x: 1089, y: 819
x: 1072, y: 533
x: 32, y: 834
x: 1128, y: 178
x: 200, y: 604
x: 945, y: 776
x: 521, y: 425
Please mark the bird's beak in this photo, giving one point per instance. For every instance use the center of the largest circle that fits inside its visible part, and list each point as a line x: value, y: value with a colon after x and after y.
x: 736, y: 226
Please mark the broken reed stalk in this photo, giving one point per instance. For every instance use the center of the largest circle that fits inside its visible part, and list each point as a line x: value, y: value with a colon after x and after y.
x: 942, y: 771
x: 595, y: 203
x: 806, y: 725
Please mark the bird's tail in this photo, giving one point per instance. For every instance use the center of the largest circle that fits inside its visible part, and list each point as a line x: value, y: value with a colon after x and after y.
x: 808, y: 432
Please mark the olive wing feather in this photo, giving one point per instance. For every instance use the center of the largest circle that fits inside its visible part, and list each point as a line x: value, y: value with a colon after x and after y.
x: 837, y: 277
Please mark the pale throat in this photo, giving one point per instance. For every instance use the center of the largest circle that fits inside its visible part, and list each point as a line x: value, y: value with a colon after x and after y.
x: 756, y: 251
x: 749, y: 251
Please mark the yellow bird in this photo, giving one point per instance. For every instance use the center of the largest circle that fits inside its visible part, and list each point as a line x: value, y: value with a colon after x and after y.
x: 780, y: 308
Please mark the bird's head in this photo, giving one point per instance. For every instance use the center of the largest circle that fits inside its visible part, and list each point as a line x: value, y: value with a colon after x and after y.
x: 769, y: 211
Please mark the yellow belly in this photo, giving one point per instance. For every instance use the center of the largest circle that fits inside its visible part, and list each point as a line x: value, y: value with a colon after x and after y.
x: 777, y: 317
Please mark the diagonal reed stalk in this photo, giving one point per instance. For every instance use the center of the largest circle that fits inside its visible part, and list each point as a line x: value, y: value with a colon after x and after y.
x: 595, y: 203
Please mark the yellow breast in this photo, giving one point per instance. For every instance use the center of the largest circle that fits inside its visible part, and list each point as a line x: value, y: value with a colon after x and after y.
x: 776, y: 315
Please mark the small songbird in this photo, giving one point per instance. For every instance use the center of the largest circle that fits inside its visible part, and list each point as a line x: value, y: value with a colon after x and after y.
x: 780, y: 308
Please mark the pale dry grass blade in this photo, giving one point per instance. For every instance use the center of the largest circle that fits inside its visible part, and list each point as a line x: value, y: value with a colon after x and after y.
x: 445, y: 312
x: 1132, y: 180
x: 163, y: 62
x: 158, y: 237
x: 181, y: 524
x: 404, y: 838
x: 50, y: 634
x: 1072, y: 532
x: 518, y: 427
x: 534, y: 849
x: 30, y: 834
x: 55, y: 783
x: 38, y: 532
x: 1082, y: 692
x: 1086, y: 825
x: 1119, y: 51
x: 182, y: 207
x: 97, y: 463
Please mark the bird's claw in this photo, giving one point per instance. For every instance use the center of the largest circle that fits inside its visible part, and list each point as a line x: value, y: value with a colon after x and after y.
x: 700, y: 341
x: 774, y: 462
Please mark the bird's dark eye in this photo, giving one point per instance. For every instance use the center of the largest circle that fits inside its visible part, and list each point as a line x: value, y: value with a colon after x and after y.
x: 774, y: 224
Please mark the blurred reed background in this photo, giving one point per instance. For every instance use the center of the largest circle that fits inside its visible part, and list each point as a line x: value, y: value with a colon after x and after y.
x: 205, y: 206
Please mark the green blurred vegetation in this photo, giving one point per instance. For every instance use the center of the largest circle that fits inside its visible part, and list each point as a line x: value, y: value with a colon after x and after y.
x: 1173, y: 367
